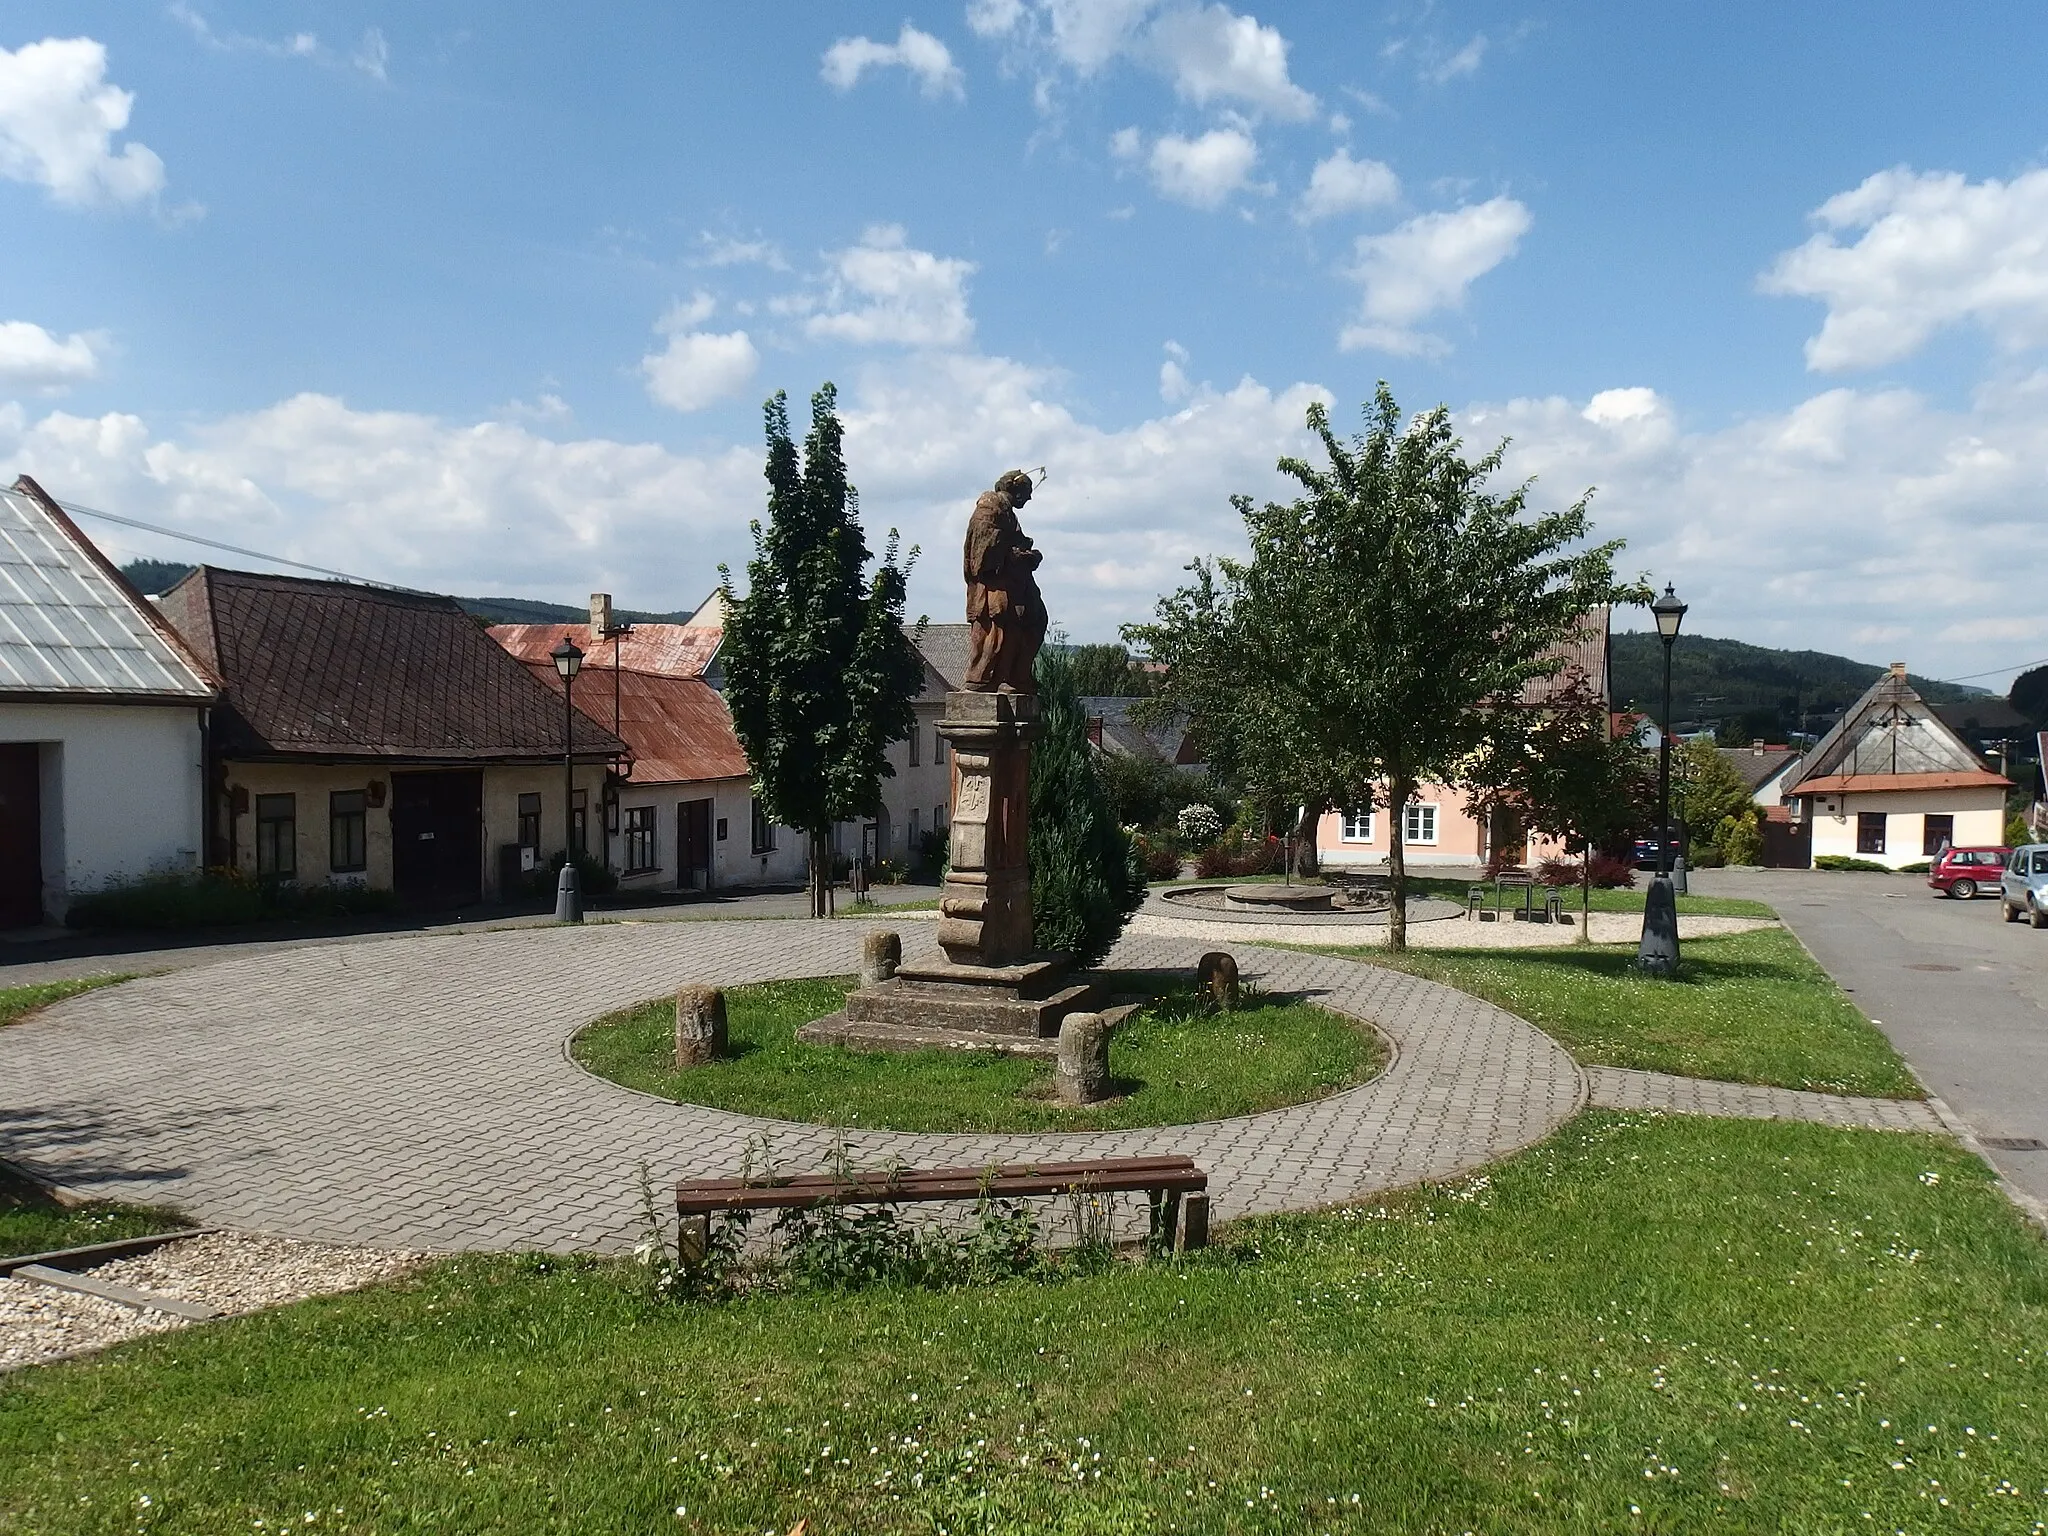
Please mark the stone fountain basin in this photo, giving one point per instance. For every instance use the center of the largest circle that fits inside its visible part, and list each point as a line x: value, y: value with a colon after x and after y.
x: 1279, y: 898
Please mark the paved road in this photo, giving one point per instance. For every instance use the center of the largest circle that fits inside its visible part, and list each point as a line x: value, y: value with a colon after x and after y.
x: 1962, y: 995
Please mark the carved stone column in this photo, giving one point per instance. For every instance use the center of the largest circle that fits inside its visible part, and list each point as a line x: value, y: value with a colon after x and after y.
x: 985, y: 911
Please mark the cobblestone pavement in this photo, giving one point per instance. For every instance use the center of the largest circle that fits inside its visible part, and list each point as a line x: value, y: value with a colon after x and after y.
x: 415, y: 1093
x: 1621, y: 1088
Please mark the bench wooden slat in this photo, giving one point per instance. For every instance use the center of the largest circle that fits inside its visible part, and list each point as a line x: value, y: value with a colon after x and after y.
x: 1170, y: 1175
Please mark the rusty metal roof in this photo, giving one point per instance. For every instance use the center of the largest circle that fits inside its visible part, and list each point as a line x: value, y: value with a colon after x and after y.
x: 70, y: 626
x: 666, y: 650
x: 676, y: 727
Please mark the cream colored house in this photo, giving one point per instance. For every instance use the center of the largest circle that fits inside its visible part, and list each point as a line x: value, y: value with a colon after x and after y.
x: 1892, y: 784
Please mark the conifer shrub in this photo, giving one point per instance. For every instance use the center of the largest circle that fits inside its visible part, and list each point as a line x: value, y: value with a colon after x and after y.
x: 1086, y: 878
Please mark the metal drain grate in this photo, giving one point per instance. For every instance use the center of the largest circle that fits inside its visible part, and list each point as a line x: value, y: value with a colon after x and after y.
x: 1934, y: 967
x: 2015, y: 1143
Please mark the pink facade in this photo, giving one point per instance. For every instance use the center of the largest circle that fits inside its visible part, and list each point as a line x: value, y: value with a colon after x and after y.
x: 1441, y: 828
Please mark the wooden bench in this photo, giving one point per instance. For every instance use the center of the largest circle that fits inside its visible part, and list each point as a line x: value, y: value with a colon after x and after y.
x: 1172, y: 1184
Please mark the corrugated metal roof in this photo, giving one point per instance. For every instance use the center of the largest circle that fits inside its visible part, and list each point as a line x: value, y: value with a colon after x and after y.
x: 666, y: 650
x: 70, y: 628
x: 676, y: 727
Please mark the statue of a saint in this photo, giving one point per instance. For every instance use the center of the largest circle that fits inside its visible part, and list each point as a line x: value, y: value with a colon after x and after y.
x: 1004, y: 610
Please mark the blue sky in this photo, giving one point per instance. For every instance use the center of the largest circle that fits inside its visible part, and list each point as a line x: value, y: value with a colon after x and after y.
x: 486, y: 298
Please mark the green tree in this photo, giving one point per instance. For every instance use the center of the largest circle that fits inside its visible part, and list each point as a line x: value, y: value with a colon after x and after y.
x: 819, y: 671
x: 2029, y: 695
x: 1704, y: 791
x: 1086, y: 876
x: 1108, y: 672
x: 1385, y: 625
x: 1568, y: 776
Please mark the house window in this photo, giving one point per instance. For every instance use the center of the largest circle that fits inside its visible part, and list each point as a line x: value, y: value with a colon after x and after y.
x: 347, y: 832
x: 721, y: 829
x: 1936, y: 833
x: 277, y: 837
x: 639, y: 839
x: 938, y: 748
x: 579, y: 819
x: 938, y: 818
x: 529, y: 822
x: 1419, y: 824
x: 915, y: 736
x: 1357, y: 826
x: 911, y: 843
x: 764, y: 830
x: 1870, y: 831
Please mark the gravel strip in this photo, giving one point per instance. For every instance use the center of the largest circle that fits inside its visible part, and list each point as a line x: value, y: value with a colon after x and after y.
x: 1453, y: 933
x: 233, y: 1271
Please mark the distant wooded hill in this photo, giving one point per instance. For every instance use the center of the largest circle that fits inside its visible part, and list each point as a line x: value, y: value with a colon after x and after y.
x: 1747, y: 691
x: 152, y: 577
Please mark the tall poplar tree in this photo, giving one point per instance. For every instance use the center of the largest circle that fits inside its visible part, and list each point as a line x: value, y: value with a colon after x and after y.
x: 819, y: 672
x: 1385, y: 624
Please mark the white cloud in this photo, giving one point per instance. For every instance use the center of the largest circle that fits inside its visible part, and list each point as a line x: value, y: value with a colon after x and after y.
x: 994, y: 18
x: 373, y: 55
x: 1935, y: 250
x: 1341, y: 184
x: 1465, y: 61
x: 1214, y: 55
x: 32, y: 358
x: 699, y: 367
x: 1612, y: 407
x: 684, y: 314
x: 299, y: 45
x: 1174, y: 385
x: 883, y: 290
x: 1427, y: 265
x: 58, y: 119
x: 918, y: 52
x: 1203, y: 172
x: 728, y: 251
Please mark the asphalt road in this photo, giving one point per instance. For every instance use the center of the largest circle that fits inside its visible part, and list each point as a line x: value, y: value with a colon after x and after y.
x: 1962, y: 994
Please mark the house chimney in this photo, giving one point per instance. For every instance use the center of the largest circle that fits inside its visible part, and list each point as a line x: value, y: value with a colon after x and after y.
x: 600, y: 614
x: 1756, y: 746
x: 1899, y: 670
x: 1095, y: 730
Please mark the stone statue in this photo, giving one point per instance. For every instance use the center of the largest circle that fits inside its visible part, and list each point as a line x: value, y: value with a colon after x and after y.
x: 1004, y: 610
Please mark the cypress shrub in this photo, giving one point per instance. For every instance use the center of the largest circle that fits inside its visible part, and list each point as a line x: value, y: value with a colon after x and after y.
x: 1086, y: 878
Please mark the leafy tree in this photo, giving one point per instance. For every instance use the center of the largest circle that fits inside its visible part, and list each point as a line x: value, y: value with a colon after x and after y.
x: 819, y: 670
x: 1385, y: 625
x: 2029, y: 695
x: 1568, y: 776
x: 1109, y: 672
x: 1086, y: 876
x: 1704, y: 790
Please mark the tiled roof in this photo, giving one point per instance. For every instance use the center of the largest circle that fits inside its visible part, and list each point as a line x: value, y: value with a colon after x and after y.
x: 1870, y: 783
x: 70, y: 627
x: 667, y: 650
x: 331, y: 669
x: 1891, y: 733
x: 677, y: 727
x: 1753, y: 767
x: 1584, y: 651
x: 946, y: 648
x: 1122, y: 734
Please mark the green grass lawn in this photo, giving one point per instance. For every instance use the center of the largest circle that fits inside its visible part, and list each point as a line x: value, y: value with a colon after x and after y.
x: 1659, y: 1325
x: 1746, y: 1008
x: 1172, y: 1064
x: 32, y: 1222
x: 20, y: 1002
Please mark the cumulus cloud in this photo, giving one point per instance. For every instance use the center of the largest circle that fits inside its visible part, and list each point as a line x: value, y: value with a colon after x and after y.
x: 371, y: 56
x: 729, y: 251
x: 1341, y: 184
x: 32, y: 358
x: 883, y: 290
x: 923, y: 55
x: 1201, y: 172
x: 58, y: 119
x: 1465, y: 61
x: 1215, y: 55
x: 1931, y: 250
x: 1174, y: 386
x: 1427, y: 265
x: 697, y: 367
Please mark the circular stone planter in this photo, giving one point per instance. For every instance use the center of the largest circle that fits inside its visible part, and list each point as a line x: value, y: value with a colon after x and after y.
x: 1278, y: 898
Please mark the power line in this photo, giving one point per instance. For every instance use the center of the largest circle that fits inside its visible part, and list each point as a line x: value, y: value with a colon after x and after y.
x: 233, y: 549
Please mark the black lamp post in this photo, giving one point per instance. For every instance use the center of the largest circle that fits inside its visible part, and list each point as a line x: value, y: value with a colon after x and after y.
x: 1658, y: 952
x: 569, y: 887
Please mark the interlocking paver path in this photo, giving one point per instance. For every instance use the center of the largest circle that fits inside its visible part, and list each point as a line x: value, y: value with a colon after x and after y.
x: 1623, y: 1088
x: 416, y: 1092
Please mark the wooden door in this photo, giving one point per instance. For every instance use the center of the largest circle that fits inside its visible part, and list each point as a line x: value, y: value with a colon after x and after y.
x: 693, y: 845
x: 437, y: 838
x: 21, y: 836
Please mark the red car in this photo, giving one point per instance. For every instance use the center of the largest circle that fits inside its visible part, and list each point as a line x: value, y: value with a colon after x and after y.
x: 1963, y: 872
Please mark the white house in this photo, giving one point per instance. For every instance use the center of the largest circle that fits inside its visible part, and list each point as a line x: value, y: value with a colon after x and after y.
x: 103, y: 719
x: 1891, y: 783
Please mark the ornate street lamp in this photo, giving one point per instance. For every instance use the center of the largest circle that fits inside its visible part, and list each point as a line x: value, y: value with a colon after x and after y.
x: 569, y: 886
x: 1658, y: 952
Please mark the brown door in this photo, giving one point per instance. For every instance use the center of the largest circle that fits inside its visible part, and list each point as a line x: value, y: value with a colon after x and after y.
x: 21, y: 836
x: 693, y: 845
x: 437, y: 838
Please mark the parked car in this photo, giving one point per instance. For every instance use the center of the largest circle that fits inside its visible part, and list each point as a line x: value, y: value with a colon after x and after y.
x: 1963, y: 872
x: 2024, y: 885
x: 1644, y: 855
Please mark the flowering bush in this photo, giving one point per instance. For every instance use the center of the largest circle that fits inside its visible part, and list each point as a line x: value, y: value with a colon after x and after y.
x: 1239, y: 853
x: 1159, y: 852
x: 1199, y: 825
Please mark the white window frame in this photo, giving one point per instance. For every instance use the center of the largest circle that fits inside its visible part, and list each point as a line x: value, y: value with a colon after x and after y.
x: 1412, y: 816
x: 1348, y: 826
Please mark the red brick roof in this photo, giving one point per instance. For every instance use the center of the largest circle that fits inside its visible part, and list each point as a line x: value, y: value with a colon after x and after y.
x: 1870, y: 783
x: 331, y: 669
x: 677, y: 727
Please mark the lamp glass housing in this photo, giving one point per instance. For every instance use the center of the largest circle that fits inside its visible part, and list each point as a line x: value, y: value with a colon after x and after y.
x: 1670, y: 613
x: 567, y: 659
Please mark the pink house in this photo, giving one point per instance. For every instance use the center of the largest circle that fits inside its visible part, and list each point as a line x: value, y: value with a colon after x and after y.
x: 1440, y: 825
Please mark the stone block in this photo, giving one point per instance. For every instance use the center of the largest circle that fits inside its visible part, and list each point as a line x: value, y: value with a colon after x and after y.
x: 1082, y: 1073
x: 1216, y: 973
x: 880, y: 954
x: 700, y: 1025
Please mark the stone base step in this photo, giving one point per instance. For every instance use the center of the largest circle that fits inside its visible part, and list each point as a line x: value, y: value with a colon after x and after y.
x: 967, y: 1009
x: 880, y: 1035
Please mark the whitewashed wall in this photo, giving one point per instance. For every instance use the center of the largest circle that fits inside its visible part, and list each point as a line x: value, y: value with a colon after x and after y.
x: 1979, y: 822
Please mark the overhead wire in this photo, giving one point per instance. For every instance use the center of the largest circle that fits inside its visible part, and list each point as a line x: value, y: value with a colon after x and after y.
x: 233, y: 549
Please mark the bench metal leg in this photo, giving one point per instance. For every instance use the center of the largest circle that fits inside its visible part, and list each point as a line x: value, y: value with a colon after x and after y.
x: 1195, y: 1228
